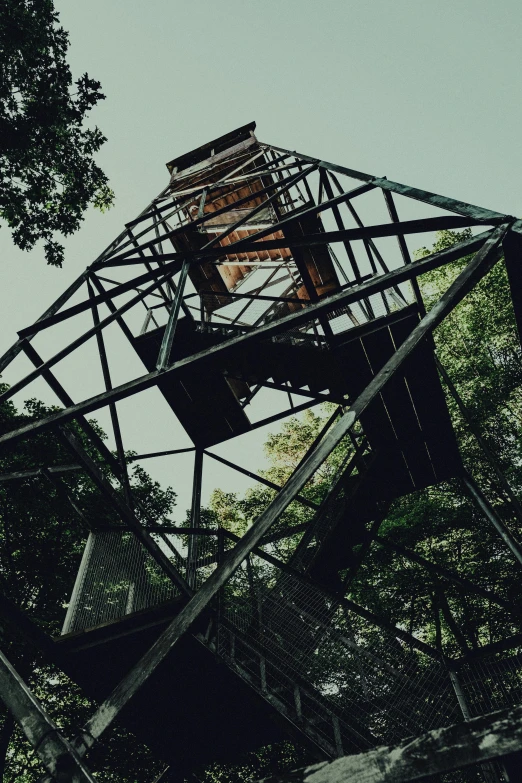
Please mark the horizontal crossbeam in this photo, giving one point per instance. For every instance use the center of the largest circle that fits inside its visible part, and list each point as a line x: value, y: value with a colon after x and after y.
x: 252, y: 244
x: 434, y: 753
x: 442, y: 202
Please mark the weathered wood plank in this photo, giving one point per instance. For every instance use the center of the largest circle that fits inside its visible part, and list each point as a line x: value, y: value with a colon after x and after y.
x: 441, y: 750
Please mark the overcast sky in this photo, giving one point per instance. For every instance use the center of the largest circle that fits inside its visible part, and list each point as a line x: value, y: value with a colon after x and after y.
x: 424, y: 92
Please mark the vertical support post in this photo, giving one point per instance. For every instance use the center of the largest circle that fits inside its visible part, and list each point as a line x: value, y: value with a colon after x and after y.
x: 392, y: 211
x: 78, y: 585
x: 483, y: 504
x: 459, y: 693
x: 220, y: 557
x: 488, y: 770
x: 337, y: 736
x: 121, y: 507
x: 168, y: 337
x: 195, y: 518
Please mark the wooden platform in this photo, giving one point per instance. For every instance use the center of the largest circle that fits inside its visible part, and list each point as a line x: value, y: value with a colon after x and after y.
x: 193, y: 710
x: 408, y: 425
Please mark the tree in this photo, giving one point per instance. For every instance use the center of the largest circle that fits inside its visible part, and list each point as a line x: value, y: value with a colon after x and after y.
x: 48, y: 176
x: 284, y: 450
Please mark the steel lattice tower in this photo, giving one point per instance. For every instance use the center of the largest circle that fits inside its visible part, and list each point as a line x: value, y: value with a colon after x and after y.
x: 261, y: 268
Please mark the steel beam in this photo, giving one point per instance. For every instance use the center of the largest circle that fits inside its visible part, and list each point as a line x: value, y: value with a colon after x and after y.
x: 126, y: 513
x: 170, y: 329
x: 64, y: 398
x: 100, y: 341
x: 253, y: 244
x: 86, y: 304
x: 261, y: 479
x: 483, y: 504
x: 199, y: 221
x: 347, y: 603
x: 15, y: 349
x: 419, y: 226
x: 515, y: 503
x: 403, y: 247
x: 442, y: 202
x: 64, y: 352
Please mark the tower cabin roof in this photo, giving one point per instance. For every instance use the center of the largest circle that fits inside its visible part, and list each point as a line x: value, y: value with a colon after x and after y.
x: 211, y: 148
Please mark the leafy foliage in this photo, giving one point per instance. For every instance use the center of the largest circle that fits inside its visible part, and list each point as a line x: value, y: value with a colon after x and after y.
x: 48, y: 176
x: 285, y: 449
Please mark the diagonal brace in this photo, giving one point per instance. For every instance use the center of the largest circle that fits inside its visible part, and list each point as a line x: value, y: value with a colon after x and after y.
x: 58, y: 755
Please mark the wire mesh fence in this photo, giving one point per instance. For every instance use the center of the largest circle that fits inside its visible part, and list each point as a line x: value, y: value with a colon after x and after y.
x: 379, y: 689
x: 117, y: 575
x: 492, y: 683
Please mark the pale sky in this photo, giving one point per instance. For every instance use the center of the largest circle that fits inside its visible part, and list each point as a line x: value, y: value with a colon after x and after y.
x: 425, y: 92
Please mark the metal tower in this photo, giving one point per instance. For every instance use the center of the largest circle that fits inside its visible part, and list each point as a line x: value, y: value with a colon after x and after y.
x: 260, y: 268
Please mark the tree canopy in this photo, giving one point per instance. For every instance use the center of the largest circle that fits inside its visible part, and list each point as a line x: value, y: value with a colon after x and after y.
x: 48, y: 176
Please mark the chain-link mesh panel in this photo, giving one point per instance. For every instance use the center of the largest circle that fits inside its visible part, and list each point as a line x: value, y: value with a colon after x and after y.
x: 492, y: 683
x: 346, y: 681
x: 117, y: 577
x: 378, y: 688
